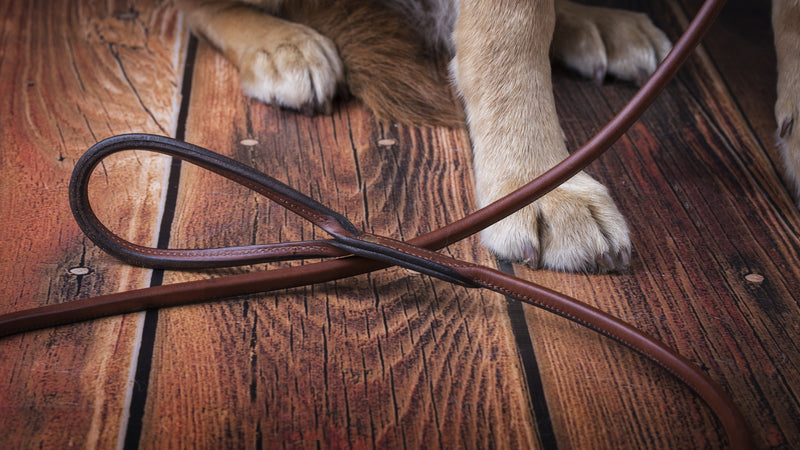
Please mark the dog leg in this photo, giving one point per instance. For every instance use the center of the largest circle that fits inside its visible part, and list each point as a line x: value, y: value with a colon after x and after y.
x: 786, y: 25
x: 502, y: 70
x: 597, y: 41
x: 280, y: 62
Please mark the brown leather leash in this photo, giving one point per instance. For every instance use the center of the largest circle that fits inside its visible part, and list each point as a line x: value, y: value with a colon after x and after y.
x: 355, y: 252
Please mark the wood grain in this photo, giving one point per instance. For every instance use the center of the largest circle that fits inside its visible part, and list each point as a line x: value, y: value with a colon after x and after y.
x: 391, y: 358
x: 707, y: 210
x: 74, y: 73
x: 388, y: 359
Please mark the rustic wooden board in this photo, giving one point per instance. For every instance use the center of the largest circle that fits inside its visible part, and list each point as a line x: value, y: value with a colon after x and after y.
x: 73, y: 73
x: 388, y: 359
x: 708, y: 213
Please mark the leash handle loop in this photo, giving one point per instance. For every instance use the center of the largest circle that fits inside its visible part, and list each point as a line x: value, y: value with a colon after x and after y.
x: 134, y: 254
x: 347, y: 239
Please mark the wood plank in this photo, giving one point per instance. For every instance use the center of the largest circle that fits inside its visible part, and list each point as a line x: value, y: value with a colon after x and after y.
x: 74, y: 73
x: 389, y: 358
x: 707, y: 211
x: 384, y: 360
x: 741, y: 47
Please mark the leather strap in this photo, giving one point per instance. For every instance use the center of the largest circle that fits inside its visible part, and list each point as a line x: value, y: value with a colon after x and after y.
x: 356, y: 252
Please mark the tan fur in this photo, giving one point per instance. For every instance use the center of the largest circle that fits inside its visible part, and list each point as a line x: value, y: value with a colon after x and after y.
x: 786, y: 25
x: 280, y: 61
x: 598, y: 41
x: 299, y: 53
x: 316, y: 47
x: 516, y: 136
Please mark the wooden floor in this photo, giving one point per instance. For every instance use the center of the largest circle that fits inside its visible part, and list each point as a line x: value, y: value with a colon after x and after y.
x: 390, y: 359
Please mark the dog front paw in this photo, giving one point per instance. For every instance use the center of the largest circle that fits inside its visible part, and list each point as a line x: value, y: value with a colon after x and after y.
x: 575, y: 228
x: 597, y: 41
x: 301, y: 70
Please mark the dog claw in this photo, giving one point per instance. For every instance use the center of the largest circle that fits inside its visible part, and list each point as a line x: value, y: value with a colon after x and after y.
x: 531, y: 257
x: 605, y: 263
x: 307, y: 109
x: 625, y: 258
x: 786, y: 127
x: 618, y: 262
x: 642, y: 75
x: 599, y: 74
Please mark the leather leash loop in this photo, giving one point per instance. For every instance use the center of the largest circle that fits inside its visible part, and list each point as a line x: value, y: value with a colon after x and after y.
x: 347, y: 239
x: 134, y: 254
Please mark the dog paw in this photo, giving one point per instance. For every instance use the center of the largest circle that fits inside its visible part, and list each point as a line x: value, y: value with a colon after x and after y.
x: 575, y: 227
x: 597, y: 42
x: 301, y: 70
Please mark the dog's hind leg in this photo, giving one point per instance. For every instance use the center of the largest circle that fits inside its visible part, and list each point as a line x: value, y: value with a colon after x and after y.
x: 502, y: 70
x: 786, y: 24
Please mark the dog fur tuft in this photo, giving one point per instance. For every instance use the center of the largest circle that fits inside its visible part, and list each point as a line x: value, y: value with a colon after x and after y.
x: 386, y: 64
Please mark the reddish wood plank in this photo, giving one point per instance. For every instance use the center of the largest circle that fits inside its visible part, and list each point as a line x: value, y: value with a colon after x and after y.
x: 707, y: 210
x: 73, y: 73
x: 390, y: 358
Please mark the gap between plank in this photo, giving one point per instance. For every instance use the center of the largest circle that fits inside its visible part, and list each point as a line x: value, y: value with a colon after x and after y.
x: 527, y: 356
x: 144, y: 358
